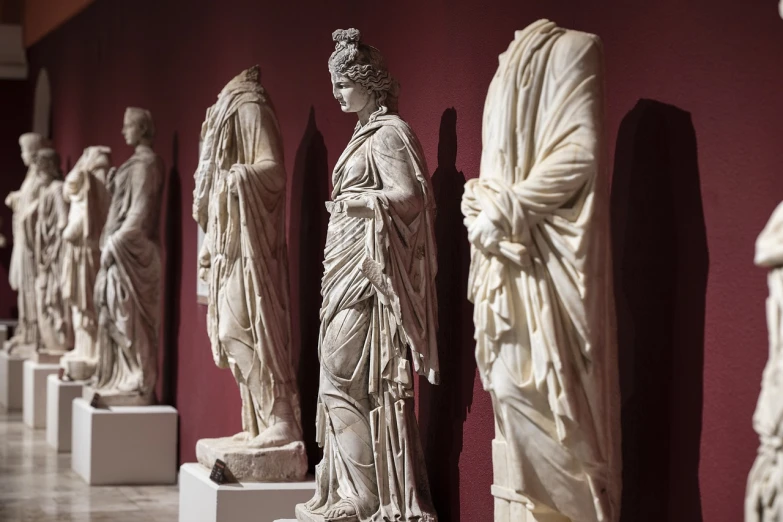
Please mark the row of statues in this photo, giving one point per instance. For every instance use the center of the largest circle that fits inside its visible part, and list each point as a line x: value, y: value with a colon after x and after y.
x: 86, y: 263
x: 540, y: 282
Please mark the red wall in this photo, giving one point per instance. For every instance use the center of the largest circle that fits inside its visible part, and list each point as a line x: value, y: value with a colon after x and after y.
x: 15, y: 119
x: 708, y: 138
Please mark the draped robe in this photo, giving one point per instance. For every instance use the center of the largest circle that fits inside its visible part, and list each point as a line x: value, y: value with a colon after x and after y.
x: 127, y: 292
x: 764, y: 494
x: 248, y: 311
x: 379, y: 307
x: 89, y: 205
x: 54, y: 317
x: 22, y: 272
x: 544, y: 313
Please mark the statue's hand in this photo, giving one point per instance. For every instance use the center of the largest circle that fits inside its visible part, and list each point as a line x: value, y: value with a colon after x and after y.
x: 231, y: 181
x: 11, y: 199
x: 484, y: 234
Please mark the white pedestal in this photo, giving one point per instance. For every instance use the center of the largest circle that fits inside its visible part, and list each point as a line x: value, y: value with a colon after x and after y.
x: 201, y: 500
x: 11, y: 379
x: 60, y: 395
x: 124, y: 445
x: 34, y: 400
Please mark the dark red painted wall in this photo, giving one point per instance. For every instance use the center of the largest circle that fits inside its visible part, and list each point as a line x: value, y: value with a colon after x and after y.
x: 15, y: 119
x: 697, y: 168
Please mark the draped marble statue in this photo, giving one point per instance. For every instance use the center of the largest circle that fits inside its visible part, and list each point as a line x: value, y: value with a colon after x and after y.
x: 127, y: 289
x: 379, y: 311
x: 54, y: 317
x: 239, y: 202
x: 85, y: 190
x: 24, y: 205
x: 540, y: 279
x: 764, y: 495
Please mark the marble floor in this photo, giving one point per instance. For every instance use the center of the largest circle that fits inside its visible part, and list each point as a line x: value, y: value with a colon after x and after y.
x: 37, y: 485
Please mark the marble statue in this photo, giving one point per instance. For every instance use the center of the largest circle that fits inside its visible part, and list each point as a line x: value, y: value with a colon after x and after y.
x: 54, y: 316
x: 127, y: 288
x: 540, y: 279
x: 24, y: 205
x: 239, y: 202
x: 85, y: 190
x: 764, y: 496
x: 379, y: 311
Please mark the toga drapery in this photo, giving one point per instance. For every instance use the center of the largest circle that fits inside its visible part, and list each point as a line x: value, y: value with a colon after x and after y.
x: 244, y: 224
x: 127, y: 291
x: 379, y: 308
x: 544, y: 313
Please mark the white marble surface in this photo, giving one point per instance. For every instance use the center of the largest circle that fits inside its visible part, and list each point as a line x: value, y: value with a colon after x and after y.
x: 764, y: 493
x: 38, y: 485
x: 239, y: 202
x: 11, y: 382
x: 35, y: 393
x: 59, y: 411
x: 201, y: 500
x: 541, y: 281
x: 128, y: 285
x: 124, y: 445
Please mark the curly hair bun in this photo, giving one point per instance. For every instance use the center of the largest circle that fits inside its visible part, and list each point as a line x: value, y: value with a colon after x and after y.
x: 346, y: 36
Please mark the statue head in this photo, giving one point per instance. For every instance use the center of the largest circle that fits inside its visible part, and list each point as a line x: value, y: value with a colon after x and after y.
x: 47, y: 163
x: 360, y: 80
x: 138, y: 127
x: 31, y: 142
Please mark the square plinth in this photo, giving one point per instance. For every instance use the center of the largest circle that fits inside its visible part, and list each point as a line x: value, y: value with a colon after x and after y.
x: 59, y: 410
x: 201, y: 500
x: 11, y: 382
x: 34, y: 394
x: 124, y: 445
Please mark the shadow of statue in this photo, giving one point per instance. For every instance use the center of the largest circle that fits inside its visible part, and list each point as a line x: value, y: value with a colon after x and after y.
x: 660, y: 274
x: 443, y: 408
x: 310, y: 189
x: 172, y: 280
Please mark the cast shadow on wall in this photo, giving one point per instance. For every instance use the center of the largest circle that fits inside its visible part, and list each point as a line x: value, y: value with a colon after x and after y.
x: 173, y: 279
x: 443, y: 408
x: 660, y: 274
x: 310, y: 187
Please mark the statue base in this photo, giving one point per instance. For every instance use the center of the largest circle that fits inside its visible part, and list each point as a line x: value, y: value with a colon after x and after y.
x: 303, y: 515
x: 11, y: 382
x: 282, y: 464
x: 201, y: 500
x: 21, y: 351
x: 118, y: 398
x: 78, y: 369
x: 35, y: 394
x: 58, y: 412
x: 47, y: 357
x: 124, y: 445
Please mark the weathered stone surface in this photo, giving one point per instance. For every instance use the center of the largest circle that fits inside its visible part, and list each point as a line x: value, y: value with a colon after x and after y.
x: 280, y: 464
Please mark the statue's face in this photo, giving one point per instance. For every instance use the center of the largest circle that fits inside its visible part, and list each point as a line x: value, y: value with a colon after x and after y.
x: 27, y: 155
x: 352, y: 96
x: 132, y: 130
x: 44, y: 167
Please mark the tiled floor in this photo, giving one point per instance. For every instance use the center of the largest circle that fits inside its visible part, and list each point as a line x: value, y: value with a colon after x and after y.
x: 37, y: 485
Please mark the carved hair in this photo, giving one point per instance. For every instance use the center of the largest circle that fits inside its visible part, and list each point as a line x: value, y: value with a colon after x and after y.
x: 364, y: 65
x: 32, y: 140
x: 51, y: 157
x: 144, y: 118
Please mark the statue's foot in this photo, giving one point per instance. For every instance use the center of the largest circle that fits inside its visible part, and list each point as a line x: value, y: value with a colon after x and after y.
x: 343, y: 511
x: 278, y: 434
x: 242, y: 436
